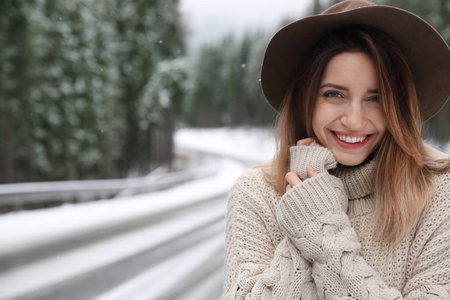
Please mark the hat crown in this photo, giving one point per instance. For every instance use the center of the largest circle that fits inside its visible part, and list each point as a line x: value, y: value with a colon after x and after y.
x: 346, y: 6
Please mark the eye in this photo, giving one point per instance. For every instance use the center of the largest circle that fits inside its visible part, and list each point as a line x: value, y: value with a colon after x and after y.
x: 373, y: 99
x: 332, y: 94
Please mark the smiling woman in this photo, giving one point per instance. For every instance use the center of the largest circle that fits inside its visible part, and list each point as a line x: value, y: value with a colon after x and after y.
x: 355, y: 205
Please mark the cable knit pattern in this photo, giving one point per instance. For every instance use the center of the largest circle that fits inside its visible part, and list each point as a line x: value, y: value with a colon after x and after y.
x: 308, y: 245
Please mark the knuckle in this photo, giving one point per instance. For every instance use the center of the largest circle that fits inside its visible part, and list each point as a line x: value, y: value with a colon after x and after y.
x: 305, y: 141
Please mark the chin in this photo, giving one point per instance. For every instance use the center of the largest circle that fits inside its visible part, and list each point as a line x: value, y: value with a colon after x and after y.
x: 352, y: 161
x: 348, y: 159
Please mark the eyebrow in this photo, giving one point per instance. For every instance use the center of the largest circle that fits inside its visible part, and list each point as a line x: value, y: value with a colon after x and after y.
x: 339, y: 87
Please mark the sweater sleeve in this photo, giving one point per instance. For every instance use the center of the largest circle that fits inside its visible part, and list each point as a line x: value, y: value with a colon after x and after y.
x: 259, y: 262
x: 320, y: 158
x: 312, y: 216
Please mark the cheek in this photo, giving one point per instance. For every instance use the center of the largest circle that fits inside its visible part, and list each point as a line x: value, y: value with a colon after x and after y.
x: 315, y: 124
x: 315, y: 121
x: 318, y: 131
x: 380, y: 122
x: 322, y: 116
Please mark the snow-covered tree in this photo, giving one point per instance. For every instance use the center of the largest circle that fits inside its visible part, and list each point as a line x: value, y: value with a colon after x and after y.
x: 159, y: 105
x: 73, y: 90
x: 148, y: 33
x: 72, y: 74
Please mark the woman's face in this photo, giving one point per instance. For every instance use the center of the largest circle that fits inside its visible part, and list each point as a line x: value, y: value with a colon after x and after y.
x: 347, y: 116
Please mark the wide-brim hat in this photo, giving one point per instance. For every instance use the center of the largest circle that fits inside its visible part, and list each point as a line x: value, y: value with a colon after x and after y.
x: 427, y: 54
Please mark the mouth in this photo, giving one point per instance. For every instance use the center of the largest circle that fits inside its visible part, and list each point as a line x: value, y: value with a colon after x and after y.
x: 350, y: 141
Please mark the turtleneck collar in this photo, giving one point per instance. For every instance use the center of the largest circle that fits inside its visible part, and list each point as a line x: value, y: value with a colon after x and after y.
x: 358, y: 181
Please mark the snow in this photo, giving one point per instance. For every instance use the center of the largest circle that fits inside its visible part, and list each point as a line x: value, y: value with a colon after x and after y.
x: 147, y: 286
x: 105, y: 252
x: 253, y: 145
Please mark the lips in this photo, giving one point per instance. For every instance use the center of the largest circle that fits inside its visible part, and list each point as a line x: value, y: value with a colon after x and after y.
x: 350, y: 140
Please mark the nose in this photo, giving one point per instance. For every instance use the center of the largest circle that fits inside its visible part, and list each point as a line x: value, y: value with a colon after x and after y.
x: 353, y: 117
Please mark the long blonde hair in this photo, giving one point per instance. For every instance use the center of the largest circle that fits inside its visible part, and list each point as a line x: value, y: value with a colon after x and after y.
x: 404, y: 173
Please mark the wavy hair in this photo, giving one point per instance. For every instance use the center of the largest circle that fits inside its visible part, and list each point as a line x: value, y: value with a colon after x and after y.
x: 401, y: 192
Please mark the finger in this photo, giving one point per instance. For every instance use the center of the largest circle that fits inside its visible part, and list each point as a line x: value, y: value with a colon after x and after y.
x: 292, y: 179
x: 288, y: 187
x: 304, y: 142
x: 315, y: 143
x: 310, y: 171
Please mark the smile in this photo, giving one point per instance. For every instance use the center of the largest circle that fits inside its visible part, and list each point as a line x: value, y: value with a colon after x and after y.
x: 351, y: 141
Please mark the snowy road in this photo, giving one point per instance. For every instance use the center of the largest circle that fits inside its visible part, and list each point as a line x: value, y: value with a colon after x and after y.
x: 163, y: 245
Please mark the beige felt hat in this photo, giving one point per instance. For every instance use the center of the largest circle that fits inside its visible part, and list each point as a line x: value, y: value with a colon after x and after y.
x: 428, y: 55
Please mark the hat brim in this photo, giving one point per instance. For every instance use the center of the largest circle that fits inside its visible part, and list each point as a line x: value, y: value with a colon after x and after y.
x: 427, y: 54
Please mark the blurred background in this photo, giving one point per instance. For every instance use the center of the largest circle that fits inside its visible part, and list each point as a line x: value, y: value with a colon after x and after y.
x: 150, y: 108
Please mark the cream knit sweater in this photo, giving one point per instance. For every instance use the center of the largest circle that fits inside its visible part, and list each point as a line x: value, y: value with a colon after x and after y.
x: 316, y: 241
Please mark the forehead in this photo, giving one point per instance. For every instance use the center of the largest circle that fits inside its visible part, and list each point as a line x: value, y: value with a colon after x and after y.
x: 352, y: 67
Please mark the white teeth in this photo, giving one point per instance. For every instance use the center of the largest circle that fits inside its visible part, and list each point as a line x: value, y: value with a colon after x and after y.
x: 351, y: 140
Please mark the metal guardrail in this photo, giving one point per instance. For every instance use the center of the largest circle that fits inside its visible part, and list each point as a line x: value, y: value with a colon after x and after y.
x: 26, y: 195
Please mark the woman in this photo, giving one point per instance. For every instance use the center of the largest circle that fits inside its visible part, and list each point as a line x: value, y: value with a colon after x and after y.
x: 355, y: 205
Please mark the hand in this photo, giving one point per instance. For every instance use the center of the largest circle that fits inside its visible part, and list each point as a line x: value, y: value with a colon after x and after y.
x: 294, y: 180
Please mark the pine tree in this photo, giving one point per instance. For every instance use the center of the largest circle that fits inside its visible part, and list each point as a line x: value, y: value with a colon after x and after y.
x: 73, y: 76
x: 148, y: 32
x: 15, y: 114
x: 226, y: 88
x: 73, y: 85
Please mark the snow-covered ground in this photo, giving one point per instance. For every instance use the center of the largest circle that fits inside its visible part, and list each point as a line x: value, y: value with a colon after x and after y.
x: 250, y: 144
